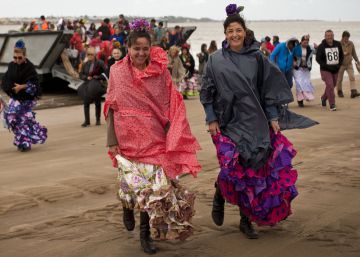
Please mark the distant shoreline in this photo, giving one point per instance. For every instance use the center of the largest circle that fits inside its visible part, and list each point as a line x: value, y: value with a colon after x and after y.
x: 169, y: 19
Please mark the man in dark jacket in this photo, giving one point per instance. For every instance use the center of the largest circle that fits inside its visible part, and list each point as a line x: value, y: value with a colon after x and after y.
x: 105, y: 30
x: 330, y: 56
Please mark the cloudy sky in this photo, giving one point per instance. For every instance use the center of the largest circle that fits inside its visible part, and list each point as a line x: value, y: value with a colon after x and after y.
x: 333, y: 10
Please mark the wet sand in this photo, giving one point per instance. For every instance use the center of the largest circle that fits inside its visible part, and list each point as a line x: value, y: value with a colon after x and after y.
x: 59, y: 199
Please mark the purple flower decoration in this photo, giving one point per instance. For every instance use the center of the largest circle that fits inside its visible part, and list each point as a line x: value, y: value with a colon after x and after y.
x: 232, y: 9
x: 140, y: 25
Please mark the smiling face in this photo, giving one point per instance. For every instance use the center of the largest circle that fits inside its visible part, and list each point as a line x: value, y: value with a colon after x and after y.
x: 305, y: 42
x: 235, y: 36
x: 329, y: 37
x: 139, y: 52
x: 116, y: 53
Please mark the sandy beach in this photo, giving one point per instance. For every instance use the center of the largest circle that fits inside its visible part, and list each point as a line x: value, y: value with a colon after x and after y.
x: 60, y: 200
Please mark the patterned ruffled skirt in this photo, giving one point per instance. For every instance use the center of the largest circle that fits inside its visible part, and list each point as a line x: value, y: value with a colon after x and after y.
x: 20, y: 119
x: 263, y: 195
x: 169, y: 205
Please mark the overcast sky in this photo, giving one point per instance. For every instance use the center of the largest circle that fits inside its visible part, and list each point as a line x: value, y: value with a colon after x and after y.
x: 333, y: 10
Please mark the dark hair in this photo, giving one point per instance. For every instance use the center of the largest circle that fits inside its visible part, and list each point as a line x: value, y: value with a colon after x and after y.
x: 152, y: 20
x: 234, y: 18
x: 107, y: 20
x: 276, y: 38
x: 346, y: 34
x: 304, y: 37
x: 177, y: 27
x: 42, y: 17
x: 203, y: 47
x: 329, y: 30
x: 134, y: 35
x: 161, y: 23
x: 267, y: 39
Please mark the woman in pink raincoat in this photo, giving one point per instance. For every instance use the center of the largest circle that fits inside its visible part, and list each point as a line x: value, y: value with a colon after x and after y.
x: 150, y: 141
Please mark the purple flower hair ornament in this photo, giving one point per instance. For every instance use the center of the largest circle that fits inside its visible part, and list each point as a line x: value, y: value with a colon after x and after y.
x: 140, y: 25
x: 233, y: 9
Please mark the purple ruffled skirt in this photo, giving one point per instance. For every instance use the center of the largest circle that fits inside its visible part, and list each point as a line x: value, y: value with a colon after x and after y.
x: 263, y: 195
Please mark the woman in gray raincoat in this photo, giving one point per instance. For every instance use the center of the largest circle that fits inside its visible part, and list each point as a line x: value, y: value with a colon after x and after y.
x: 241, y: 94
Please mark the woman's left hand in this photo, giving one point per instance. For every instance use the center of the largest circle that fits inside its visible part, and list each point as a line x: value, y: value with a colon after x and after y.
x: 275, y: 126
x: 19, y: 87
x: 113, y: 149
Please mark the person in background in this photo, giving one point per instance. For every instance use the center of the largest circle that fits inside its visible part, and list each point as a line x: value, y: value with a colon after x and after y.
x: 116, y: 55
x: 241, y: 106
x: 21, y: 84
x: 164, y: 43
x: 76, y: 47
x: 105, y: 52
x: 349, y: 51
x: 175, y: 36
x: 160, y: 32
x: 92, y: 89
x: 329, y: 56
x: 31, y: 26
x: 69, y: 25
x: 96, y: 41
x: 187, y: 60
x: 105, y: 30
x: 303, y: 54
x: 91, y: 31
x: 283, y: 57
x: 42, y: 24
x: 212, y: 47
x: 269, y: 46
x: 263, y: 48
x: 122, y: 21
x: 176, y: 67
x: 189, y: 64
x: 24, y: 27
x: 276, y: 41
x: 83, y: 30
x: 119, y: 35
x: 203, y: 57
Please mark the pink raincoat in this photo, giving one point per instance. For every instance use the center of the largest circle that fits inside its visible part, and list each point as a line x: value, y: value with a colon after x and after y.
x: 145, y: 104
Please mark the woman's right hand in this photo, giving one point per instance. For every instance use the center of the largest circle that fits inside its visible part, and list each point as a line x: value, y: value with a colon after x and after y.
x: 214, y: 128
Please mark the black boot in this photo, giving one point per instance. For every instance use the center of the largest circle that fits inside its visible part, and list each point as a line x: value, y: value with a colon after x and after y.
x: 340, y: 93
x: 98, y: 112
x: 217, y: 212
x: 247, y: 228
x: 128, y: 219
x: 354, y: 93
x: 301, y: 103
x: 145, y: 239
x: 87, y: 115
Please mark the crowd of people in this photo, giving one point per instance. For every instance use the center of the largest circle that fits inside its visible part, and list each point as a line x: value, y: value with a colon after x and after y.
x: 294, y: 58
x: 92, y: 51
x: 245, y: 85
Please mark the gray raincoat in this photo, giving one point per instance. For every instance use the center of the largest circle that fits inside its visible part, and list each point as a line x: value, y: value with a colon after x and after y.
x: 239, y: 88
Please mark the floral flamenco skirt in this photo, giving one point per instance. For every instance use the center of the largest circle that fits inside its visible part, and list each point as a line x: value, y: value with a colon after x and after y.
x: 263, y: 195
x: 169, y: 205
x: 20, y: 119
